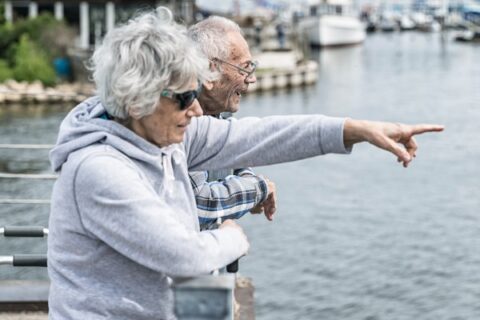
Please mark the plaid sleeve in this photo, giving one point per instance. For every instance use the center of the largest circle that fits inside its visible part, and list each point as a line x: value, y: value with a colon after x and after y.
x: 230, y: 198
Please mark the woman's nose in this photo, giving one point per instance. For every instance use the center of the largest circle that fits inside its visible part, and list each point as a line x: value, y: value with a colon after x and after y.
x: 195, y: 110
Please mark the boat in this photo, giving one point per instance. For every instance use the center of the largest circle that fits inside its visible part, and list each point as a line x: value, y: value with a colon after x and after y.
x: 406, y: 23
x: 333, y: 23
x: 426, y: 22
x: 388, y: 22
x: 471, y: 24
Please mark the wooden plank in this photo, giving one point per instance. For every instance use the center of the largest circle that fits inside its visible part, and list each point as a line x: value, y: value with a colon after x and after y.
x: 244, y: 299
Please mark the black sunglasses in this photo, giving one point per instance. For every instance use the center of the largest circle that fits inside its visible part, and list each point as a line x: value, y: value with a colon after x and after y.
x: 184, y: 99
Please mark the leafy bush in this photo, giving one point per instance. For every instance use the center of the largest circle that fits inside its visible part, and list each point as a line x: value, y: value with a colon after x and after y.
x: 52, y: 35
x: 7, y: 38
x: 5, y: 71
x: 29, y: 47
x: 31, y: 63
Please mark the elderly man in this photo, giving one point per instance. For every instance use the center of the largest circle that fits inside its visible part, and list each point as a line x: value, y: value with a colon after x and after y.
x: 227, y: 193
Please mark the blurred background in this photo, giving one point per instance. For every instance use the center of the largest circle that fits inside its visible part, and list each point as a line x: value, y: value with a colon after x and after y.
x: 355, y: 236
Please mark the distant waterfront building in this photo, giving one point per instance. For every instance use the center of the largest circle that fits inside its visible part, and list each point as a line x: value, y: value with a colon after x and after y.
x: 92, y: 19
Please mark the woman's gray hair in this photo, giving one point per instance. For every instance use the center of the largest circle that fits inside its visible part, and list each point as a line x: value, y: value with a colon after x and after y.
x: 140, y: 59
x: 210, y: 36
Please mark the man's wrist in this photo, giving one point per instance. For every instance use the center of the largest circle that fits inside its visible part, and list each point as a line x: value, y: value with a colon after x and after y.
x: 262, y: 189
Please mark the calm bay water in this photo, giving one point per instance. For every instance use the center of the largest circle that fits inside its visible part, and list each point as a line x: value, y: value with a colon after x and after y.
x: 359, y: 236
x: 356, y: 236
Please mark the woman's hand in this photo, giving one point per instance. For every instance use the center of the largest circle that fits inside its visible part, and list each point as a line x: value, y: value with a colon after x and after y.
x: 388, y: 136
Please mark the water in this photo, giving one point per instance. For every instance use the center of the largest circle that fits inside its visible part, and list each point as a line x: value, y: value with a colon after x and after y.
x: 356, y: 236
x: 31, y: 125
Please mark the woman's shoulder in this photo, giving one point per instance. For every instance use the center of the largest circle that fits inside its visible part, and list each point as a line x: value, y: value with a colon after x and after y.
x: 98, y: 157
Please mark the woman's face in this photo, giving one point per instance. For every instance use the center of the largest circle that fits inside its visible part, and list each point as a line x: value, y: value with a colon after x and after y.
x: 167, y: 125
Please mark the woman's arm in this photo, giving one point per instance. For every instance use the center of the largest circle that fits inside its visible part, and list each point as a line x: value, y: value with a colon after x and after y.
x: 213, y: 143
x: 124, y: 211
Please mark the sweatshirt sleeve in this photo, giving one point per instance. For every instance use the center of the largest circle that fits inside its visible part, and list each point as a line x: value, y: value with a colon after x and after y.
x: 123, y: 211
x: 215, y: 143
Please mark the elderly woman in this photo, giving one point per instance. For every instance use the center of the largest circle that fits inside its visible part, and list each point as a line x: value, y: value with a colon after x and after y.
x: 123, y: 219
x: 123, y: 215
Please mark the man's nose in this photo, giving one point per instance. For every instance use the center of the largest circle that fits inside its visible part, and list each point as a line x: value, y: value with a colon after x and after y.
x: 251, y: 79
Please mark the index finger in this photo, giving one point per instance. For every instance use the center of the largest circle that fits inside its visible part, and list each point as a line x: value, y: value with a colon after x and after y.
x: 422, y: 128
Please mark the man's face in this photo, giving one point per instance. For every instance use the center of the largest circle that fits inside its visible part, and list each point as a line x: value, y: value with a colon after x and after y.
x: 226, y: 93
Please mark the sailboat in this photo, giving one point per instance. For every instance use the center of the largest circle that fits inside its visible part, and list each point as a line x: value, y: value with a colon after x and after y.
x: 333, y: 23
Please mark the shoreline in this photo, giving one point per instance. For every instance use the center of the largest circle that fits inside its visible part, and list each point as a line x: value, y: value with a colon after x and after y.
x: 13, y: 92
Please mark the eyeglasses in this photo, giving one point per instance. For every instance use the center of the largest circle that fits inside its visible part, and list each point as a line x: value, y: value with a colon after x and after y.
x: 184, y: 99
x: 247, y: 72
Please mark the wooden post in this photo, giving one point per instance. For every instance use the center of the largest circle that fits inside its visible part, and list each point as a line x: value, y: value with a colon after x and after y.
x: 110, y: 16
x: 84, y: 26
x: 8, y: 11
x: 32, y: 10
x: 58, y: 10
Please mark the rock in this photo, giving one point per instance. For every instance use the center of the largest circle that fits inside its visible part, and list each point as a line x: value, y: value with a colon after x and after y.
x: 80, y: 97
x: 13, y: 97
x: 53, y: 95
x: 42, y: 97
x: 16, y: 86
x: 65, y: 88
x: 35, y: 87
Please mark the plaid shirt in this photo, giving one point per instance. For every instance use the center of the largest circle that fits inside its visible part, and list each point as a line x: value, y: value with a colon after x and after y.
x: 229, y: 198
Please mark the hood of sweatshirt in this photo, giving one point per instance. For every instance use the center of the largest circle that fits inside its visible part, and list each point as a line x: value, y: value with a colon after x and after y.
x: 85, y: 126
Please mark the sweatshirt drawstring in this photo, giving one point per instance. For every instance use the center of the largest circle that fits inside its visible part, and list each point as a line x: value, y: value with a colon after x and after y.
x: 167, y: 167
x: 168, y: 156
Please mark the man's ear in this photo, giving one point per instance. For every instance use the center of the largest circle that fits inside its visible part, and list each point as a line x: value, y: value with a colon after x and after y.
x: 207, y: 85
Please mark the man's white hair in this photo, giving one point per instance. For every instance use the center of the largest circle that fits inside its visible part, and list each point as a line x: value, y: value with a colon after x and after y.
x: 210, y: 36
x: 140, y: 59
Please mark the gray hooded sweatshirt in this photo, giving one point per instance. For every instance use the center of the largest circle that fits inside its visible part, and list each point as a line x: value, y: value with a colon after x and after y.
x: 123, y: 217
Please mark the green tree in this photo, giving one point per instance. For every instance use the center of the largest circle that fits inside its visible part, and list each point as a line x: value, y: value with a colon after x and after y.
x: 5, y: 71
x: 31, y: 63
x: 7, y: 38
x: 50, y: 34
x: 2, y: 13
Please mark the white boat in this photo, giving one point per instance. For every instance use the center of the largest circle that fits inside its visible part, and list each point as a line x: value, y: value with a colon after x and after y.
x: 333, y: 23
x: 406, y: 23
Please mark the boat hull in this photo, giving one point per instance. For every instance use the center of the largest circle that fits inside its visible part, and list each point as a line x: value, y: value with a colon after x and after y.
x: 328, y: 31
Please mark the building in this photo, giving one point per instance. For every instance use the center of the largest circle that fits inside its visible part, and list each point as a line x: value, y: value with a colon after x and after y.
x: 92, y: 19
